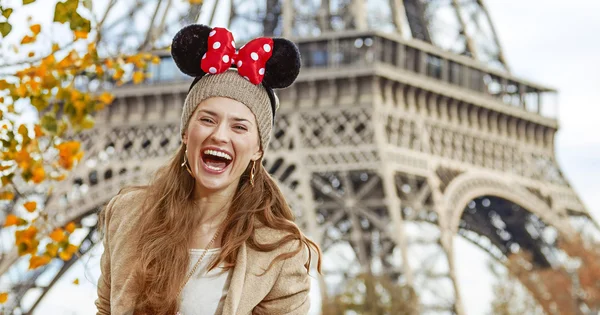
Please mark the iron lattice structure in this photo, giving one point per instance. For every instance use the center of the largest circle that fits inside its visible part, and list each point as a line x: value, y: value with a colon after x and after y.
x: 404, y: 129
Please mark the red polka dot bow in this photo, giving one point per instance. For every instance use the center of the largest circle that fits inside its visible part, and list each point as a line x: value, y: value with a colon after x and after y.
x: 250, y: 59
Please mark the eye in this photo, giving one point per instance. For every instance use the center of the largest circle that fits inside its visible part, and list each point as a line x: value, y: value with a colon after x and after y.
x: 207, y: 120
x: 241, y: 127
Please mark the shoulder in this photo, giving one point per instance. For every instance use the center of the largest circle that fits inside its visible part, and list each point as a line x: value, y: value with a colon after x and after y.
x: 268, y: 235
x: 124, y: 208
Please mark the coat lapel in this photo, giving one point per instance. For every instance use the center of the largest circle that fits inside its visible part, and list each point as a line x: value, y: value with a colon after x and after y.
x: 236, y: 286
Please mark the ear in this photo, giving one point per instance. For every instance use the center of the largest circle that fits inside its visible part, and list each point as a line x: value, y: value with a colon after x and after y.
x: 184, y: 138
x: 256, y: 155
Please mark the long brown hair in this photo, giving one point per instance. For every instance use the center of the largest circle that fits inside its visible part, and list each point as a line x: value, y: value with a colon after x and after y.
x: 170, y: 218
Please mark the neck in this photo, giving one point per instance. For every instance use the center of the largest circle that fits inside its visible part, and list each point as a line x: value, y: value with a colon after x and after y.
x: 214, y: 203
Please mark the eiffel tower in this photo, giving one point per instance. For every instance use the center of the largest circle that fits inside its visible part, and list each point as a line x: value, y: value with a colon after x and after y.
x: 405, y: 130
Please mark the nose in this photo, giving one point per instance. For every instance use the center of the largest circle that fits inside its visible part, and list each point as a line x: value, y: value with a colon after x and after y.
x: 220, y: 134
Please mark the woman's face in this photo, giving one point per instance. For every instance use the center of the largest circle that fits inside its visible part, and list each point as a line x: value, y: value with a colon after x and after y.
x: 221, y: 139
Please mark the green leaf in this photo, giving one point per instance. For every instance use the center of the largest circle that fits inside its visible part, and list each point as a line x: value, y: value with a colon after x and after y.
x: 5, y: 28
x: 48, y: 122
x: 28, y: 1
x: 87, y: 4
x: 61, y: 13
x: 6, y: 13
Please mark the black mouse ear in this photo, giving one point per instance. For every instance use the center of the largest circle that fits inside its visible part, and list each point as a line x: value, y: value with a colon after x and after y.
x: 283, y: 67
x: 188, y: 47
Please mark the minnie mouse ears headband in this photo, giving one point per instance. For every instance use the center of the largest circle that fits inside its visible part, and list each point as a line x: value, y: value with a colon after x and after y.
x: 263, y: 64
x: 198, y: 49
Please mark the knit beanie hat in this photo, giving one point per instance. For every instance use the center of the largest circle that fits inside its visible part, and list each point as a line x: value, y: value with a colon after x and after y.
x: 248, y: 75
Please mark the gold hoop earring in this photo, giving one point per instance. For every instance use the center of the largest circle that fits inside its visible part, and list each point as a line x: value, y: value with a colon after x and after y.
x: 185, y: 163
x: 252, y: 173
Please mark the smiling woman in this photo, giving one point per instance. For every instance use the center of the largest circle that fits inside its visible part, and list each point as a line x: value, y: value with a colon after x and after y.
x: 212, y: 233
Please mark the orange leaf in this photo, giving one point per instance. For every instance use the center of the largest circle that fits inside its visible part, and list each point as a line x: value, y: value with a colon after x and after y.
x: 27, y: 40
x: 38, y: 174
x: 65, y: 256
x: 57, y: 235
x: 70, y: 227
x: 81, y: 34
x: 71, y: 249
x: 155, y: 60
x: 76, y: 281
x: 30, y: 206
x: 3, y: 297
x: 38, y: 261
x: 106, y: 98
x: 11, y: 219
x: 6, y: 195
x: 38, y: 131
x: 36, y: 28
x: 31, y: 54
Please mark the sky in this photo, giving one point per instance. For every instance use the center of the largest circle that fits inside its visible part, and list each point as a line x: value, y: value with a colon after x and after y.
x: 550, y: 42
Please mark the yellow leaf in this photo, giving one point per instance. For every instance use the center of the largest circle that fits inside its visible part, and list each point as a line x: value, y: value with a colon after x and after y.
x: 70, y: 227
x: 27, y: 40
x: 6, y: 195
x: 38, y: 261
x: 195, y: 1
x: 11, y: 219
x: 138, y: 77
x: 155, y: 60
x: 76, y: 281
x: 71, y: 249
x: 118, y: 74
x: 65, y: 256
x: 31, y: 54
x: 80, y: 34
x: 52, y: 249
x: 57, y: 235
x: 36, y: 28
x: 30, y: 206
x: 55, y: 47
x: 3, y: 297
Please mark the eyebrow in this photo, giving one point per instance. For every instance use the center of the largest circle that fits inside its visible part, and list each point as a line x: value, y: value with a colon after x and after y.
x: 209, y: 112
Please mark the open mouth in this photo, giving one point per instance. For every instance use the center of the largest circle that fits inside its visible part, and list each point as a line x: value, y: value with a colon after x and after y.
x: 216, y: 161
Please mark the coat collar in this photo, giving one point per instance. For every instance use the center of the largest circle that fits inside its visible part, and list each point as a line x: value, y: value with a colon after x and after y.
x: 238, y: 277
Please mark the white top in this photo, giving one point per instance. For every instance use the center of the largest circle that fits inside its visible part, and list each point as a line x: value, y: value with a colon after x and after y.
x: 204, y: 292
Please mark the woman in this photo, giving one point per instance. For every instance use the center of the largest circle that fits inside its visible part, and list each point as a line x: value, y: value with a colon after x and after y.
x: 212, y: 233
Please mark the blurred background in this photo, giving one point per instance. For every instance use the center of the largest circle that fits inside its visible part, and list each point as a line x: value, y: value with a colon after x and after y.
x: 443, y: 153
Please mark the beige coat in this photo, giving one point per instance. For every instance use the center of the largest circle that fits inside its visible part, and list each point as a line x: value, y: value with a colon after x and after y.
x: 281, y: 290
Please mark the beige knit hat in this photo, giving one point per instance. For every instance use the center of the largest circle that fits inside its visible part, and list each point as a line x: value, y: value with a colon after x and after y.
x: 231, y: 85
x: 248, y: 75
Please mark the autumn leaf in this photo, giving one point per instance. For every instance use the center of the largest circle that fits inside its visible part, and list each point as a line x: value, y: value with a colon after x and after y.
x: 11, y: 220
x: 39, y: 174
x: 155, y: 60
x: 58, y: 235
x: 76, y: 281
x: 38, y: 131
x: 38, y: 261
x: 36, y: 28
x: 30, y: 206
x: 7, y: 195
x: 52, y: 249
x: 106, y: 98
x: 80, y: 35
x: 27, y: 40
x: 68, y: 252
x: 3, y: 297
x: 70, y: 227
x: 138, y: 77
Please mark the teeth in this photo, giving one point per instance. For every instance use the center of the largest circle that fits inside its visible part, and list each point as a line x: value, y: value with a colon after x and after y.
x: 214, y: 168
x: 218, y: 153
